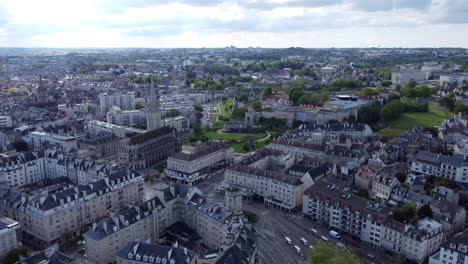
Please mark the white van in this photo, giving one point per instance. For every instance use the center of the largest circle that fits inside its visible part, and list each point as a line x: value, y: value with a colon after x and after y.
x: 314, y: 232
x: 334, y: 234
x: 298, y: 249
x: 324, y: 238
x: 288, y: 240
x: 304, y: 241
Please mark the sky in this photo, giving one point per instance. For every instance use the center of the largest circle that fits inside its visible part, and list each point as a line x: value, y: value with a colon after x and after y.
x: 241, y: 23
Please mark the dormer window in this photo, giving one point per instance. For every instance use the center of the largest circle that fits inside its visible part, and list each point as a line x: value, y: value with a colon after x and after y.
x: 130, y: 255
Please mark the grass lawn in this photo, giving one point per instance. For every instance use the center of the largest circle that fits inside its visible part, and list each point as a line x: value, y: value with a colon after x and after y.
x: 433, y: 105
x: 387, y: 133
x: 412, y: 120
x: 216, y: 136
x: 213, y: 117
x: 226, y: 108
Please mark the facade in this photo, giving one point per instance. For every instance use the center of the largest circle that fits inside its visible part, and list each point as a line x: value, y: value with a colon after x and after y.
x: 263, y: 174
x: 43, y: 140
x: 153, y: 112
x: 382, y: 186
x: 123, y: 101
x: 454, y: 251
x: 180, y: 123
x: 22, y: 168
x: 370, y: 222
x: 148, y: 222
x: 406, y: 76
x: 149, y: 149
x: 138, y: 252
x: 8, y: 240
x: 121, y: 117
x: 5, y: 121
x: 46, y: 217
x: 453, y: 167
x: 49, y: 256
x: 194, y: 167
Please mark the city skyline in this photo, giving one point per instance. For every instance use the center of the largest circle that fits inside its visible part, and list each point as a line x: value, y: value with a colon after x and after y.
x: 211, y: 23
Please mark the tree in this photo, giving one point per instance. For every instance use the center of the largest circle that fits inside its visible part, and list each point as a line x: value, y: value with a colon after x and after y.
x: 244, y: 97
x: 239, y: 113
x: 323, y: 253
x: 139, y: 105
x: 257, y: 106
x: 267, y: 91
x: 401, y: 176
x: 370, y: 114
x: 14, y: 255
x: 20, y: 145
x: 386, y: 83
x: 198, y: 108
x: 172, y: 113
x: 398, y: 87
x: 224, y: 98
x: 425, y: 211
x: 369, y: 92
x: 405, y: 213
x: 392, y: 110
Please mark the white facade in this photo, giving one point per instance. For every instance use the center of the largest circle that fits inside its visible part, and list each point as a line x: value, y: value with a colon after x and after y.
x: 22, y: 168
x: 454, y: 167
x: 8, y: 240
x: 124, y: 101
x: 41, y: 140
x: 406, y: 76
x: 180, y: 123
x: 5, y: 121
x: 126, y: 118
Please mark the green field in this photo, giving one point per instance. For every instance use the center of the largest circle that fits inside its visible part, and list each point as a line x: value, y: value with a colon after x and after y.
x: 217, y: 136
x: 412, y: 120
x: 226, y: 108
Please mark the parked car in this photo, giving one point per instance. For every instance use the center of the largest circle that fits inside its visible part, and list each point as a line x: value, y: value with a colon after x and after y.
x: 288, y: 240
x: 334, y: 234
x: 304, y: 241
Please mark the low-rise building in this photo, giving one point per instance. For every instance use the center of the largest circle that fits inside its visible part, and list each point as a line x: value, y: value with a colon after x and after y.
x: 191, y: 168
x: 453, y: 167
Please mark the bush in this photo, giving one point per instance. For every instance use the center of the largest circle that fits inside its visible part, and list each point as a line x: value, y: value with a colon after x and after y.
x: 14, y: 255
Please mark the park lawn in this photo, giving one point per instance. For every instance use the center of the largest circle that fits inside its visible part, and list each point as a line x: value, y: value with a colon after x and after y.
x: 412, y: 120
x: 433, y: 105
x: 387, y: 133
x: 217, y: 136
x: 213, y: 117
x: 225, y: 108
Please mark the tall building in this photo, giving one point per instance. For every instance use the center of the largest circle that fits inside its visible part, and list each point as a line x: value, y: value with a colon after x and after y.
x: 8, y: 240
x: 153, y: 114
x: 41, y: 92
x: 124, y: 101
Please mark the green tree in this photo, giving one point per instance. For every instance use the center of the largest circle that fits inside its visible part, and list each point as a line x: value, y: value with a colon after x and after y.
x: 239, y: 113
x: 369, y: 92
x: 370, y: 114
x: 404, y: 214
x: 244, y: 97
x: 391, y: 111
x: 172, y: 113
x: 267, y: 91
x: 424, y: 211
x: 386, y: 83
x: 139, y: 105
x: 323, y: 253
x: 198, y: 108
x: 257, y: 106
x: 14, y: 255
x: 224, y: 98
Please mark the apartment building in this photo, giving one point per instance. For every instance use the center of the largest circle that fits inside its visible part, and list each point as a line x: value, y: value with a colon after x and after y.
x: 453, y: 167
x: 329, y: 130
x: 8, y: 240
x: 48, y: 256
x: 264, y: 174
x: 149, y: 221
x: 46, y: 217
x: 179, y: 123
x: 96, y: 127
x: 124, y: 101
x: 453, y: 251
x: 149, y: 149
x: 43, y: 140
x: 382, y: 186
x: 5, y: 121
x: 298, y: 149
x: 139, y: 252
x: 403, y: 77
x: 358, y: 217
x: 121, y: 117
x: 22, y: 168
x: 191, y: 168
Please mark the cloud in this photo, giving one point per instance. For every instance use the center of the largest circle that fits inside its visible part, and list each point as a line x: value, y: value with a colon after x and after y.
x: 451, y: 12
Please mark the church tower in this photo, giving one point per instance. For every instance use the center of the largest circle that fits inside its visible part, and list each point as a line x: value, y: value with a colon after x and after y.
x: 41, y: 91
x: 153, y: 114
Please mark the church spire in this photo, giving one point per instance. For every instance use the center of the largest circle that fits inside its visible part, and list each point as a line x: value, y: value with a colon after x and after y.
x: 153, y: 114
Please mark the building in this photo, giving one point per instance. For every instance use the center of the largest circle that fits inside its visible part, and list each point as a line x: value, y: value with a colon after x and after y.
x: 450, y: 215
x: 453, y: 251
x: 138, y: 252
x: 47, y: 214
x: 43, y: 140
x: 423, y: 240
x: 264, y: 174
x: 8, y: 240
x: 124, y: 101
x: 332, y: 130
x: 180, y: 123
x: 22, y: 168
x: 5, y: 121
x: 406, y: 76
x: 153, y: 112
x: 453, y: 78
x: 382, y: 186
x: 48, y: 256
x: 327, y: 70
x: 453, y: 167
x: 96, y: 127
x: 121, y: 117
x: 149, y: 149
x: 191, y: 168
x: 149, y: 221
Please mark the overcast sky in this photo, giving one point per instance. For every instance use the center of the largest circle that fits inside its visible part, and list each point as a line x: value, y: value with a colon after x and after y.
x: 242, y: 23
